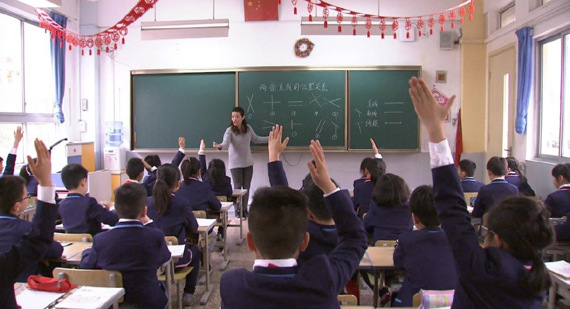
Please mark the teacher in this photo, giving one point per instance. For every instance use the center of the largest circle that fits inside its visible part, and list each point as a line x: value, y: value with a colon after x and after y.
x: 237, y: 139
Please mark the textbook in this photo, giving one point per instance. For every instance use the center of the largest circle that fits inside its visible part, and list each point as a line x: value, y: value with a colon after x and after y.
x: 32, y: 299
x: 91, y: 297
x: 560, y: 268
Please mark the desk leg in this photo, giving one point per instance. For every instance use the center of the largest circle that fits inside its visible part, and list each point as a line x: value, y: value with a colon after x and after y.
x: 241, y: 238
x: 375, y: 296
x: 226, y: 260
x: 552, y: 295
x: 209, y: 287
x: 169, y: 280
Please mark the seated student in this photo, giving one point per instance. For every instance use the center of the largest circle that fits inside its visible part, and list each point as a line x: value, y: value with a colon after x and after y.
x: 466, y: 172
x: 132, y: 249
x: 389, y: 215
x: 33, y: 245
x: 278, y: 224
x: 508, y: 271
x: 215, y: 174
x: 373, y: 169
x: 516, y: 177
x: 153, y: 162
x: 79, y: 212
x: 11, y: 159
x: 558, y: 202
x: 135, y: 170
x: 199, y: 194
x: 424, y: 253
x: 173, y: 215
x: 496, y: 190
x: 31, y: 181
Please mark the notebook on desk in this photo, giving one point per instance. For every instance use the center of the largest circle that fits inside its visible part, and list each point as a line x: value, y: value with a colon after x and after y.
x: 560, y: 268
x: 31, y: 299
x: 88, y: 297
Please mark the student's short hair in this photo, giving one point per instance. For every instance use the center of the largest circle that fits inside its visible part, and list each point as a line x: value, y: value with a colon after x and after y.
x: 134, y: 168
x: 497, y: 166
x: 278, y: 221
x: 468, y: 167
x: 130, y: 200
x: 390, y: 190
x: 11, y: 191
x: 562, y: 169
x: 72, y: 174
x: 422, y: 206
x: 153, y: 160
x: 364, y: 163
x: 316, y: 200
x: 190, y: 167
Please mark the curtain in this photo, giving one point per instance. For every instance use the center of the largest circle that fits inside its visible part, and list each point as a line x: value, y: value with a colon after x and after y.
x: 524, y: 77
x: 58, y: 64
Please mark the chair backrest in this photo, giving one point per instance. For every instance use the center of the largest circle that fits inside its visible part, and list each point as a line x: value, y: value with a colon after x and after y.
x: 199, y: 213
x: 70, y: 237
x: 417, y: 300
x: 468, y: 196
x: 485, y: 219
x: 90, y: 277
x: 385, y: 243
x: 171, y: 240
x: 347, y: 300
x: 222, y: 198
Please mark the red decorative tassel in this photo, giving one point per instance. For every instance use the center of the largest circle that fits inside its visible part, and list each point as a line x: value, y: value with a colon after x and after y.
x: 395, y: 35
x: 279, y: 1
x: 382, y: 35
x: 69, y: 46
x: 441, y: 28
x: 471, y: 17
x: 115, y: 46
x: 430, y: 31
x: 98, y: 52
x: 123, y: 40
x: 453, y: 25
x: 420, y: 33
x: 60, y: 44
x: 295, y: 11
x: 339, y: 28
x: 82, y: 52
x: 90, y: 53
x: 326, y: 24
x: 310, y: 17
x: 107, y: 49
x: 407, y: 35
x: 353, y: 31
x: 367, y: 34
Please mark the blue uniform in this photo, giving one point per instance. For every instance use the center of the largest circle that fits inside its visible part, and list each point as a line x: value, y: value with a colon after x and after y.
x: 224, y: 189
x: 388, y: 223
x: 136, y: 251
x: 469, y: 184
x: 149, y: 180
x: 9, y: 166
x: 362, y: 197
x: 199, y: 195
x: 524, y: 188
x: 82, y: 214
x: 491, y: 194
x: 558, y: 202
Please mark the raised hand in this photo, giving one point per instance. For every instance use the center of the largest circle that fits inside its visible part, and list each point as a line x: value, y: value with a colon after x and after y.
x: 275, y: 146
x: 374, y: 146
x: 202, y: 145
x: 18, y: 135
x: 41, y: 169
x: 182, y: 142
x: 320, y: 172
x: 216, y: 145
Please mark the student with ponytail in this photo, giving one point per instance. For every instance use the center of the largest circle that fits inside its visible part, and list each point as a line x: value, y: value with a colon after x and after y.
x: 508, y: 271
x: 558, y: 202
x: 173, y: 215
x: 517, y: 177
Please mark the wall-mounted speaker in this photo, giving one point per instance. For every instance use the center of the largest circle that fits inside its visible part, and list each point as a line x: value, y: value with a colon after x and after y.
x: 446, y: 40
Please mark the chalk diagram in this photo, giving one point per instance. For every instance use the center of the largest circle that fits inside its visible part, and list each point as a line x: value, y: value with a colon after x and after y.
x: 370, y: 117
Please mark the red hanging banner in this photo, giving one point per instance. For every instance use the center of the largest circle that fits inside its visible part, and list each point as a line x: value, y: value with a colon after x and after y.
x: 259, y: 10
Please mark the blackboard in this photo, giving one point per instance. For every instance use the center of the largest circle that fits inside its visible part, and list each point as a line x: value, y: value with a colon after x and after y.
x: 381, y: 108
x: 309, y: 104
x: 192, y: 105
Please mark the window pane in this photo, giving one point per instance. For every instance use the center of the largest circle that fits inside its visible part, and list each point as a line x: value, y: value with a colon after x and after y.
x: 508, y: 16
x: 10, y: 64
x: 7, y: 141
x: 566, y: 100
x: 550, y: 98
x: 39, y: 78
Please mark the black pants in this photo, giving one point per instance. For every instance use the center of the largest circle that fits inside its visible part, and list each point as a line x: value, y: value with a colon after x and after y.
x: 242, y: 179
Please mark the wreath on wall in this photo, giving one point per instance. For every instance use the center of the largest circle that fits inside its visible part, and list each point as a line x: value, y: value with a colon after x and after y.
x: 303, y: 47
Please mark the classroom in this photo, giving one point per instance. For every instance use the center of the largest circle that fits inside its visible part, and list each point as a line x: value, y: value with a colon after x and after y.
x: 477, y: 61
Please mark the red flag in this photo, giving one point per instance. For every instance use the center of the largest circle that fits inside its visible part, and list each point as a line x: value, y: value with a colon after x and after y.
x: 458, y: 140
x: 256, y: 10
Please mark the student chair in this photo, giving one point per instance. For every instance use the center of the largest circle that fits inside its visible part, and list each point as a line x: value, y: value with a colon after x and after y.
x: 70, y: 237
x: 385, y: 243
x: 199, y: 214
x: 347, y: 300
x: 178, y: 275
x: 469, y: 197
x: 222, y: 198
x: 91, y: 277
x: 417, y: 300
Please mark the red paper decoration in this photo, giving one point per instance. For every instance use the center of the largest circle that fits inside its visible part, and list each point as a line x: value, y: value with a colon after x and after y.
x: 294, y: 6
x: 354, y: 22
x: 382, y: 26
x: 339, y: 20
x: 452, y: 18
x: 395, y: 25
x: 408, y: 26
x: 368, y: 26
x: 471, y: 10
x: 441, y: 20
x: 420, y: 25
x: 326, y: 15
x: 310, y: 9
x: 461, y: 14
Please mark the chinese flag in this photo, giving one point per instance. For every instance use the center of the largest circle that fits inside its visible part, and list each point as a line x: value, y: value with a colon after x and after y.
x: 458, y: 140
x: 256, y: 10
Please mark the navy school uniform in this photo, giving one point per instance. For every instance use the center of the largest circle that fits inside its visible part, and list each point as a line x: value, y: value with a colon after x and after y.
x: 491, y: 194
x: 524, y: 188
x: 563, y: 230
x: 32, y: 186
x: 315, y: 284
x: 27, y: 251
x: 150, y: 179
x: 82, y: 214
x: 558, y: 202
x: 224, y: 189
x: 9, y: 166
x: 136, y: 251
x: 362, y: 195
x: 469, y: 184
x: 488, y: 278
x: 388, y: 223
x: 426, y: 256
x: 12, y: 229
x: 199, y: 195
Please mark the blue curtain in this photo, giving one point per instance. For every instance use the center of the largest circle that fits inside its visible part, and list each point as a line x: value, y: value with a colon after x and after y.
x: 58, y: 65
x: 524, y: 78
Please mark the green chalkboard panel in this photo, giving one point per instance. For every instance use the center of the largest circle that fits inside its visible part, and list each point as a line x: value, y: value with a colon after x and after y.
x: 381, y: 108
x: 309, y: 104
x: 192, y: 105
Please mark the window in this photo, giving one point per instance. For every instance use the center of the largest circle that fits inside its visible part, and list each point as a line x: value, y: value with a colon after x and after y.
x: 507, y: 15
x: 26, y: 85
x: 554, y: 92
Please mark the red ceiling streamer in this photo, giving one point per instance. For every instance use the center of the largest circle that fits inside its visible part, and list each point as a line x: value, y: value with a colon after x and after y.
x: 431, y: 23
x: 452, y: 17
x: 310, y: 9
x: 395, y: 25
x: 368, y: 26
x: 420, y: 25
x: 441, y: 21
x: 461, y: 14
x: 408, y: 26
x: 382, y: 26
x: 354, y: 22
x: 339, y: 20
x: 326, y: 15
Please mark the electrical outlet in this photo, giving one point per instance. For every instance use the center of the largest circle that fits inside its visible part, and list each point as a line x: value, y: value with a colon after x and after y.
x: 82, y: 126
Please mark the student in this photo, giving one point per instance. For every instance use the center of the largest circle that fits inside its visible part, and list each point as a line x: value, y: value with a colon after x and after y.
x: 198, y: 194
x: 373, y: 169
x: 31, y: 181
x: 33, y: 245
x: 11, y: 159
x: 173, y: 215
x: 495, y: 191
x: 517, y: 177
x: 135, y: 170
x: 466, y: 172
x: 79, y: 212
x: 424, y: 253
x: 278, y: 225
x: 153, y: 162
x: 132, y: 249
x: 508, y: 271
x: 215, y: 174
x: 389, y: 214
x: 558, y: 202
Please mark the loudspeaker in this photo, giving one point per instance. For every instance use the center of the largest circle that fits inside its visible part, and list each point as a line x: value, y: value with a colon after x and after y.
x: 446, y: 40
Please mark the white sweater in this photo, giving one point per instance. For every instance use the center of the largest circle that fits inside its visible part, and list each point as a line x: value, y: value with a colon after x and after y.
x: 239, y: 146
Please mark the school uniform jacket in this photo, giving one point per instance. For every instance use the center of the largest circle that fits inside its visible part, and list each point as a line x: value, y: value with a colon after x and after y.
x: 224, y: 189
x: 136, y: 251
x: 488, y: 278
x: 563, y: 230
x: 469, y: 184
x: 315, y: 284
x: 149, y: 180
x: 29, y: 249
x: 199, y: 195
x: 362, y: 195
x: 12, y: 229
x: 524, y: 188
x: 82, y: 214
x: 491, y: 194
x: 558, y: 202
x: 177, y: 221
x: 32, y: 186
x: 388, y: 223
x: 427, y: 258
x: 10, y: 163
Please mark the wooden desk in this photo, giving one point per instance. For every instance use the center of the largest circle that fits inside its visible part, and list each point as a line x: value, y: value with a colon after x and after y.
x: 74, y: 250
x: 559, y: 286
x: 102, y: 301
x: 224, y: 223
x: 377, y: 259
x: 204, y: 225
x: 238, y: 194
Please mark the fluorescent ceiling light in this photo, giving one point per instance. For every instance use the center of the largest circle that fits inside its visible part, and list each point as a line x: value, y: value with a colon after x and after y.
x: 42, y: 3
x: 182, y: 29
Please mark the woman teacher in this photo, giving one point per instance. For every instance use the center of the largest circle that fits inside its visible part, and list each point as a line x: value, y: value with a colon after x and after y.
x: 237, y: 140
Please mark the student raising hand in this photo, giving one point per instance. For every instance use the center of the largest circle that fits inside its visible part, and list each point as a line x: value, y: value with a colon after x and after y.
x: 275, y: 146
x: 182, y: 142
x: 319, y: 171
x: 18, y: 135
x: 41, y: 168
